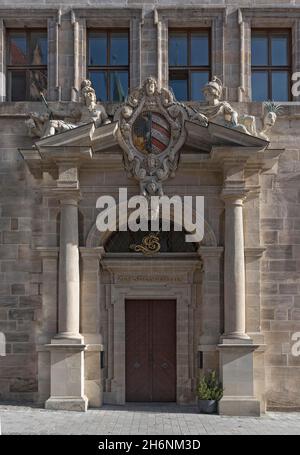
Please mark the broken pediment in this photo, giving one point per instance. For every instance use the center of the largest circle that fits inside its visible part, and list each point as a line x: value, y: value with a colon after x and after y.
x: 203, y: 138
x: 149, y: 131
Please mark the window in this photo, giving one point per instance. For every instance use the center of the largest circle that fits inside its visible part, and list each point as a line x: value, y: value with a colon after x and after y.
x: 27, y: 65
x: 271, y: 65
x: 108, y: 64
x: 189, y: 63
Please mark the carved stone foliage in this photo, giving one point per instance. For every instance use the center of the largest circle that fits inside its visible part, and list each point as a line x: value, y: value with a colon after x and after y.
x: 151, y: 134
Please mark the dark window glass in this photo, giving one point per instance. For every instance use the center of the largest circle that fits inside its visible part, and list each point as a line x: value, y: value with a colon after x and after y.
x: 39, y: 51
x: 280, y: 85
x: 99, y: 82
x: 279, y: 46
x: 178, y: 49
x: 119, y: 49
x: 18, y: 49
x: 97, y: 48
x: 108, y: 64
x: 259, y: 85
x: 27, y: 64
x: 189, y: 63
x: 37, y: 83
x: 118, y: 85
x: 271, y: 65
x: 199, y: 49
x: 18, y: 85
x: 179, y: 85
x: 259, y: 50
x: 198, y: 80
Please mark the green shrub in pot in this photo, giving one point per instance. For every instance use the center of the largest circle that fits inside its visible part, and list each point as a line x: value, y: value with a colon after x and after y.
x: 209, y: 392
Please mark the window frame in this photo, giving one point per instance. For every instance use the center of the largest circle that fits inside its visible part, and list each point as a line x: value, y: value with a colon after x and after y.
x: 191, y: 68
x: 24, y: 67
x: 108, y: 68
x: 269, y: 69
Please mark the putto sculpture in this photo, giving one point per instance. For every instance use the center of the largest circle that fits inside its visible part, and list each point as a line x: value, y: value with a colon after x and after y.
x: 44, y: 125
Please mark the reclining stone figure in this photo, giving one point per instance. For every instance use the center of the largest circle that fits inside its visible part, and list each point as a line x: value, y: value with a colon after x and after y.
x: 42, y: 125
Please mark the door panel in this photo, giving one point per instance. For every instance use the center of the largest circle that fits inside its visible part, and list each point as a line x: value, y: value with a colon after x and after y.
x: 164, y: 350
x: 150, y: 327
x: 138, y: 373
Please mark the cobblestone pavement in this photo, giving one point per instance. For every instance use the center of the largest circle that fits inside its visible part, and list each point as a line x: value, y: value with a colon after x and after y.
x: 141, y: 419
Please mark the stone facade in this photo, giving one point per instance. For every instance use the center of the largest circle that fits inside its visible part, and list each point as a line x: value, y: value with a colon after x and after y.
x: 31, y: 219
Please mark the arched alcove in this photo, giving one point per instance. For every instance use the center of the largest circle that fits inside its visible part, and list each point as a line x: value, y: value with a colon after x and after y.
x: 95, y: 238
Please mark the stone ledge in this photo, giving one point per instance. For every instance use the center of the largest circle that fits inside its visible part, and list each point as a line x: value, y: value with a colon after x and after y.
x: 69, y: 347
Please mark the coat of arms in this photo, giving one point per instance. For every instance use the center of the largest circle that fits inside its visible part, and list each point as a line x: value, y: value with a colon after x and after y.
x: 152, y: 133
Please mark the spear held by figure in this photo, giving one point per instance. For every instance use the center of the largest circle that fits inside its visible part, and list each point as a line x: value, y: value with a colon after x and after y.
x: 47, y: 106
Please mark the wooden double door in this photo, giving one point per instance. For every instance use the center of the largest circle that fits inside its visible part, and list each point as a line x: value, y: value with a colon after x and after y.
x: 150, y: 327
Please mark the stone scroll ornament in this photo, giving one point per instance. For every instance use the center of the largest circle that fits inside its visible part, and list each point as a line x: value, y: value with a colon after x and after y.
x: 151, y: 134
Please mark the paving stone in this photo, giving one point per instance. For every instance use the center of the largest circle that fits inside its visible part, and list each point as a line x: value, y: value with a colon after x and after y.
x: 135, y: 419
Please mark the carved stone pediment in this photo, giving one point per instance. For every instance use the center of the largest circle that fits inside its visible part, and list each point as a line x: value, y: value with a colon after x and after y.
x: 152, y: 133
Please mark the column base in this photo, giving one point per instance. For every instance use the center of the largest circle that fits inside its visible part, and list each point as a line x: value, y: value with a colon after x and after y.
x: 69, y: 337
x: 237, y: 375
x: 67, y: 377
x: 67, y: 404
x: 235, y: 336
x: 239, y: 406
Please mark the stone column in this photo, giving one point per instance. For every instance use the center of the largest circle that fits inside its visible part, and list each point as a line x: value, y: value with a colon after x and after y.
x: 234, y: 267
x: 68, y: 300
x: 236, y: 348
x: 67, y: 347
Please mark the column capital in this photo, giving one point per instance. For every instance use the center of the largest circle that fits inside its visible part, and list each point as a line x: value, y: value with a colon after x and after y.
x: 66, y: 195
x: 235, y: 195
x: 86, y: 253
x: 210, y: 251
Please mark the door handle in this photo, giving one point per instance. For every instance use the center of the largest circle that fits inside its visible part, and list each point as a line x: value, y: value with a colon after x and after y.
x: 164, y: 365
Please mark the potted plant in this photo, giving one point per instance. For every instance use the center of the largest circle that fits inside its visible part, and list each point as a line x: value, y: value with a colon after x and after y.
x: 209, y: 392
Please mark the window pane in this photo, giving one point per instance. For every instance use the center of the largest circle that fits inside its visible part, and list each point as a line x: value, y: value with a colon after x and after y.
x: 179, y: 84
x: 38, y: 52
x: 198, y: 80
x: 18, y: 49
x: 118, y: 85
x: 18, y: 85
x: 98, y: 48
x: 259, y: 86
x: 119, y: 48
x: 280, y: 86
x: 199, y: 49
x: 98, y: 79
x: 178, y: 49
x: 259, y: 50
x: 37, y: 84
x: 279, y: 46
